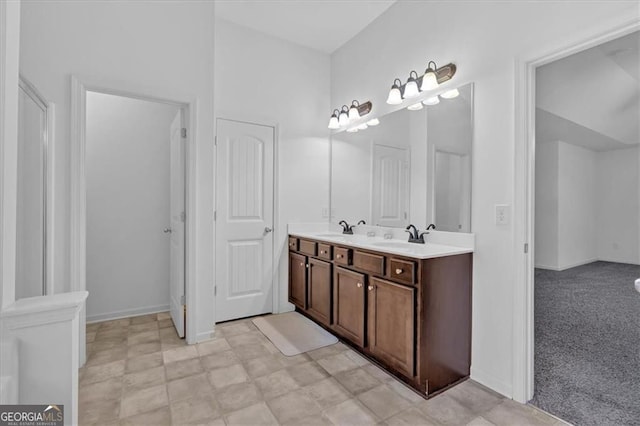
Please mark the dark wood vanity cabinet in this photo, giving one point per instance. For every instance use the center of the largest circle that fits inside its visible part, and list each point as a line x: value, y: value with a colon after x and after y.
x: 391, y: 324
x: 412, y: 316
x: 349, y: 304
x: 319, y: 291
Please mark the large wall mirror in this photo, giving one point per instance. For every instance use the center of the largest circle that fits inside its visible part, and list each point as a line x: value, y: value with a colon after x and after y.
x: 413, y: 167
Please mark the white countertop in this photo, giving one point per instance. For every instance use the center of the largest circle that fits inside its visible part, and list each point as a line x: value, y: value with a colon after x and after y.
x: 390, y: 246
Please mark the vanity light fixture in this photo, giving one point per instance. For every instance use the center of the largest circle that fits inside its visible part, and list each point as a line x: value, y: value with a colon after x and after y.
x: 343, y: 119
x: 363, y: 126
x: 450, y: 94
x: 415, y: 107
x: 395, y: 97
x: 435, y: 100
x: 411, y: 88
x: 373, y: 122
x: 345, y: 115
x: 352, y: 130
x: 431, y: 79
x: 353, y: 111
x: 333, y: 121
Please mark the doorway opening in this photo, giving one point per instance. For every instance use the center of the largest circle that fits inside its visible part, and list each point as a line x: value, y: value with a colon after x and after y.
x: 129, y: 199
x: 587, y: 234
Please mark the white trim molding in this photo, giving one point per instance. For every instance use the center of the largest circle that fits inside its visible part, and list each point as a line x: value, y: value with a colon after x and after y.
x: 524, y: 189
x: 189, y: 105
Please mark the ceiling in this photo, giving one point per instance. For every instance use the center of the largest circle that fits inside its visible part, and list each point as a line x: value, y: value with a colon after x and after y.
x: 592, y: 98
x: 323, y: 25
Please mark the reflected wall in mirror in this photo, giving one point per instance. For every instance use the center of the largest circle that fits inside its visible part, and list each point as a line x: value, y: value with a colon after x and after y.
x: 414, y: 167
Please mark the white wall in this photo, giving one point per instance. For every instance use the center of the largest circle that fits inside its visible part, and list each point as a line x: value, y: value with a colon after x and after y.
x: 546, y: 206
x: 161, y: 48
x: 264, y: 79
x: 127, y: 163
x: 618, y: 205
x: 483, y: 39
x: 577, y: 199
x: 9, y: 54
x: 586, y: 206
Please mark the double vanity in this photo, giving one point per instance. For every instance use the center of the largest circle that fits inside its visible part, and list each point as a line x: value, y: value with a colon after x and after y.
x: 406, y: 306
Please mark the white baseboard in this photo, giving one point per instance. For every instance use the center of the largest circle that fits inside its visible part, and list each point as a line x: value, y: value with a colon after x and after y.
x: 564, y: 267
x: 204, y: 336
x: 127, y: 313
x: 491, y: 382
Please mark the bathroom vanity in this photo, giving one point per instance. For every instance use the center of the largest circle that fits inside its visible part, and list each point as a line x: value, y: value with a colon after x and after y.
x: 405, y: 306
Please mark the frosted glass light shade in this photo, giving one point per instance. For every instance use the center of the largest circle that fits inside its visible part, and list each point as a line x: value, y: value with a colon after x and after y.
x: 415, y: 107
x: 395, y: 97
x: 343, y: 119
x: 353, y: 113
x: 362, y: 126
x: 450, y: 94
x: 352, y: 130
x: 333, y: 122
x: 429, y: 80
x: 432, y: 101
x: 411, y: 89
x: 373, y: 122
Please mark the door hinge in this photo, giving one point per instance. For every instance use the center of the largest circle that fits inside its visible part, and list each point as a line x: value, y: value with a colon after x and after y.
x: 526, y: 248
x: 183, y: 132
x: 215, y: 215
x: 183, y: 216
x: 183, y: 300
x: 215, y: 290
x: 215, y: 140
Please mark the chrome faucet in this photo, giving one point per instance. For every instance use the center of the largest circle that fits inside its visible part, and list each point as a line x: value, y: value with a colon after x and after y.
x: 362, y: 222
x: 414, y: 236
x: 346, y: 228
x: 431, y: 226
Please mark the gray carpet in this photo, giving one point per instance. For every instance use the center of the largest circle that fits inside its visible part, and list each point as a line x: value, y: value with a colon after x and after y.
x: 587, y: 344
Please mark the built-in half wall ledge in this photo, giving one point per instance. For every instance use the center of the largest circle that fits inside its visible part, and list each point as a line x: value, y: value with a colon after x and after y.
x: 388, y: 240
x: 34, y: 311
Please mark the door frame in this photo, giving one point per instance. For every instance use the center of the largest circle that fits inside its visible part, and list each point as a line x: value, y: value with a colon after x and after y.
x: 277, y: 228
x: 524, y: 189
x: 49, y: 183
x: 78, y: 211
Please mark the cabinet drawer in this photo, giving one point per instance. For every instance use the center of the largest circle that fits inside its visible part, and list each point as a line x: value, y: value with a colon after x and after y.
x: 307, y: 247
x: 324, y: 251
x: 342, y: 256
x: 373, y: 263
x: 403, y: 271
x: 293, y: 244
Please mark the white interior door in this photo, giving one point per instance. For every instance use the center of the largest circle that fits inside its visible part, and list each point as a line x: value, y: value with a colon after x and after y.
x: 390, y: 186
x: 244, y: 223
x: 176, y: 230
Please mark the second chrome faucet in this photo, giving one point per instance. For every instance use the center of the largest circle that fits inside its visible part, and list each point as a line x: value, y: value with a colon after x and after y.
x: 414, y: 235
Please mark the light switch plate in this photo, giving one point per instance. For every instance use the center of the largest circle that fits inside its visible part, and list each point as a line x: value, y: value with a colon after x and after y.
x: 503, y: 214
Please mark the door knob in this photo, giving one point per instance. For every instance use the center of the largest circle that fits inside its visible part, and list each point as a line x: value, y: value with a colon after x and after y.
x: 167, y: 230
x: 267, y: 229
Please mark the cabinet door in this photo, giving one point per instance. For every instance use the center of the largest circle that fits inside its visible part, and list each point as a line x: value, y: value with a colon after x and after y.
x: 391, y: 324
x: 319, y: 291
x: 297, y: 280
x: 348, y: 304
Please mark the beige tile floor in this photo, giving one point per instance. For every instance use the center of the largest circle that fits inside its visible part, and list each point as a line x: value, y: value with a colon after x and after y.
x: 139, y: 372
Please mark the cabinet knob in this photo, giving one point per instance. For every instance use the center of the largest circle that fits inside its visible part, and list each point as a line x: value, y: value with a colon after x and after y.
x: 321, y: 251
x: 339, y: 256
x: 398, y: 271
x: 301, y: 264
x: 307, y: 265
x: 371, y: 288
x: 359, y: 285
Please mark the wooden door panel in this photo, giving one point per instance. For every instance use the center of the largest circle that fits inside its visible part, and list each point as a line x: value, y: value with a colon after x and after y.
x: 319, y: 291
x: 348, y: 304
x: 391, y: 324
x: 297, y: 280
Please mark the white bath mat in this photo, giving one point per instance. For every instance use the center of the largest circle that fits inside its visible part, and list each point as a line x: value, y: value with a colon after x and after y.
x: 293, y: 334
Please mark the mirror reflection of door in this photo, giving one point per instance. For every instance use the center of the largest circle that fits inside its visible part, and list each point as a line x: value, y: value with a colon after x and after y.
x: 451, y: 189
x: 390, y: 186
x: 31, y: 193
